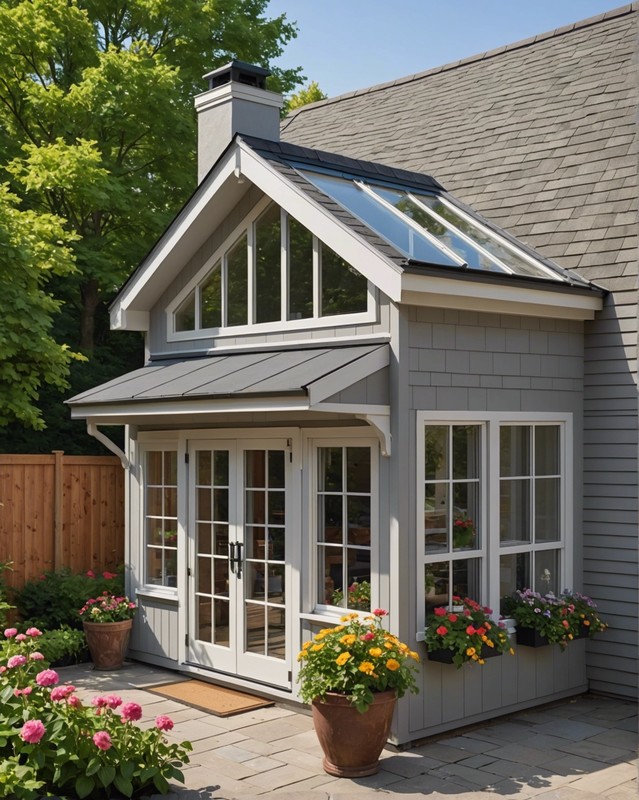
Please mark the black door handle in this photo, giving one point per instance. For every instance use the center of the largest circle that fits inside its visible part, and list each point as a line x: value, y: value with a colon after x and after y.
x: 239, y: 558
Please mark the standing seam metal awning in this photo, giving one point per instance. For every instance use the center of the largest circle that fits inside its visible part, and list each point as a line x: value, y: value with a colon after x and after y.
x: 317, y: 373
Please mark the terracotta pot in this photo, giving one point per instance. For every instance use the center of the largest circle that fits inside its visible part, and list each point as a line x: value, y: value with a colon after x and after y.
x: 352, y: 742
x: 108, y: 642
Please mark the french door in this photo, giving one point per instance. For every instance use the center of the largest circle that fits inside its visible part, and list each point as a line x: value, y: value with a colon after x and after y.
x: 239, y: 593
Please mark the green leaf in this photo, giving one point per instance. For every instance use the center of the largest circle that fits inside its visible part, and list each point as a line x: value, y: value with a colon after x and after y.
x: 123, y: 785
x: 106, y: 774
x: 84, y: 785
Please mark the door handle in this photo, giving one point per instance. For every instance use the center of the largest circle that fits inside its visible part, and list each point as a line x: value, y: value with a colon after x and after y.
x: 232, y: 560
x: 239, y: 558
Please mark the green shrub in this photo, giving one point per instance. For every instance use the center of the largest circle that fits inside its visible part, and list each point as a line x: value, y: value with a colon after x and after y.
x: 64, y: 647
x: 5, y: 607
x: 53, y: 600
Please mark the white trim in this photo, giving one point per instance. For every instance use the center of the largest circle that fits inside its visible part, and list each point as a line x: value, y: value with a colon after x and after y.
x: 558, y: 302
x: 351, y: 373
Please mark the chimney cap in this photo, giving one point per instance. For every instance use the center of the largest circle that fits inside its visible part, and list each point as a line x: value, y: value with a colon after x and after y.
x: 238, y: 72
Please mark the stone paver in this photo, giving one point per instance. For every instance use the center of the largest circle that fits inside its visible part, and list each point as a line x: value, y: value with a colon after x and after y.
x: 581, y: 749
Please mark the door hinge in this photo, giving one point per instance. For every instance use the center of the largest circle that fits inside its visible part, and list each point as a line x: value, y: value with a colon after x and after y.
x: 289, y: 447
x: 186, y: 458
x: 188, y: 571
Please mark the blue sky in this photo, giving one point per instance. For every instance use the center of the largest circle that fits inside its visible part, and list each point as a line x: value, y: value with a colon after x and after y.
x: 349, y: 44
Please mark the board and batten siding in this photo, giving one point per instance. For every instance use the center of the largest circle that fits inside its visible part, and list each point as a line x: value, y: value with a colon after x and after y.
x: 469, y: 361
x: 154, y: 638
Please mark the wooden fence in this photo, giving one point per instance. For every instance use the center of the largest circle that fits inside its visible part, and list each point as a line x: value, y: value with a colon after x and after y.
x: 60, y: 511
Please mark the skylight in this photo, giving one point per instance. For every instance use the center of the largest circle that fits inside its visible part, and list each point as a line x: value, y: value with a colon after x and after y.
x: 428, y: 228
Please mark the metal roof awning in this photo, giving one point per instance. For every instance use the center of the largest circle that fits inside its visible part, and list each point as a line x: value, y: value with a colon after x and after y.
x: 267, y: 380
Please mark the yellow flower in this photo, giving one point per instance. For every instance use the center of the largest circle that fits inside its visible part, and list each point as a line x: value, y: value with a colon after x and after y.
x: 306, y: 645
x: 367, y: 668
x: 317, y: 647
x: 490, y: 644
x: 301, y: 655
x: 511, y: 651
x: 348, y: 639
x: 345, y: 618
x: 338, y: 628
x: 392, y: 664
x: 375, y: 652
x: 342, y: 658
x: 481, y: 661
x: 388, y: 645
x: 471, y: 651
x: 402, y: 647
x: 319, y: 636
x: 415, y: 656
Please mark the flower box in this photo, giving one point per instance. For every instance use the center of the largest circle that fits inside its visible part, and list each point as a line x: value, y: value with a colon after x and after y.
x: 530, y: 637
x: 445, y: 656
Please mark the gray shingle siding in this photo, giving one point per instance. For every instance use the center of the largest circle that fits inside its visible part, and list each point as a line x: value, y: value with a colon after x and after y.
x: 541, y: 138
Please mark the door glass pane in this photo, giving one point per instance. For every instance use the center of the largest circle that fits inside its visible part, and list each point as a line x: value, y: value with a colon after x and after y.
x: 211, y: 299
x: 344, y: 289
x: 300, y: 269
x: 359, y: 520
x: 330, y: 469
x: 466, y: 451
x: 268, y: 252
x: 436, y: 517
x: 255, y: 626
x: 276, y: 469
x: 237, y: 283
x: 329, y: 524
x: 255, y: 461
x: 436, y: 450
x: 514, y: 447
x: 358, y: 469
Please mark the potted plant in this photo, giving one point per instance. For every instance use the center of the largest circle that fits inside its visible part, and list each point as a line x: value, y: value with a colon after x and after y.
x: 465, y: 634
x: 585, y: 620
x: 541, y: 619
x: 107, y: 621
x: 352, y: 675
x: 358, y: 596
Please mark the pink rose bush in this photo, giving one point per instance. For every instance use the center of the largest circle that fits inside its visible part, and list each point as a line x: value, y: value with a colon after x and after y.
x: 43, y: 720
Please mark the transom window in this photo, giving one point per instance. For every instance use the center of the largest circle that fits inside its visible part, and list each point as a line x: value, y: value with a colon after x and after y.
x: 493, y: 507
x: 275, y: 270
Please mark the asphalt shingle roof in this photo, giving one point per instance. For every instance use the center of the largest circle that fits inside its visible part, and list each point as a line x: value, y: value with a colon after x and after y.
x: 540, y: 137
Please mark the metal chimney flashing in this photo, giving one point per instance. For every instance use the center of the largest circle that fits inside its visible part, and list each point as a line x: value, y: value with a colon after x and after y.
x: 237, y: 72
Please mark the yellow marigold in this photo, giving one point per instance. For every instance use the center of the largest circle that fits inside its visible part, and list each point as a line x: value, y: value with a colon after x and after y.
x: 367, y: 668
x: 375, y: 652
x: 392, y: 664
x: 317, y: 647
x: 511, y: 651
x: 471, y: 651
x: 481, y: 661
x: 338, y: 628
x: 415, y: 656
x: 301, y: 655
x: 342, y: 658
x: 403, y: 647
x: 489, y: 643
x: 388, y: 645
x: 344, y: 618
x: 586, y: 622
x: 319, y: 636
x: 348, y: 638
x: 306, y: 645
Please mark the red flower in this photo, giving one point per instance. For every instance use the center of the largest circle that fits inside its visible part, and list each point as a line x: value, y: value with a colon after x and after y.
x: 90, y: 573
x: 380, y: 612
x: 442, y: 630
x: 470, y: 630
x: 440, y: 612
x: 452, y: 617
x: 481, y: 631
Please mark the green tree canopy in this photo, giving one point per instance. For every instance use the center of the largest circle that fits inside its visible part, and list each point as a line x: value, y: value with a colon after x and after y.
x: 308, y: 94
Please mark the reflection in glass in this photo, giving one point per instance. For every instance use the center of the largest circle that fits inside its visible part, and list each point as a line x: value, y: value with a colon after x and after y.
x: 547, y: 450
x: 204, y: 627
x: 203, y: 496
x: 344, y: 289
x: 514, y: 573
x: 547, y: 510
x: 204, y: 575
x: 466, y: 516
x: 211, y: 299
x: 203, y: 545
x: 221, y: 533
x: 300, y: 278
x: 358, y: 469
x: 255, y: 619
x: 330, y: 572
x: 547, y: 577
x: 268, y: 249
x: 154, y: 468
x: 465, y: 451
x: 185, y: 314
x: 436, y: 585
x: 330, y: 469
x: 222, y: 630
x: 170, y: 468
x: 255, y: 468
x: 436, y: 452
x: 514, y: 450
x: 221, y: 505
x: 203, y: 467
x: 221, y: 467
x: 236, y: 284
x: 514, y: 511
x: 436, y: 512
x: 276, y: 469
x: 466, y: 578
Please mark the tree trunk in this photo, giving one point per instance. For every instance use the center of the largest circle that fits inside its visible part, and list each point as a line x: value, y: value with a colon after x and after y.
x: 90, y: 301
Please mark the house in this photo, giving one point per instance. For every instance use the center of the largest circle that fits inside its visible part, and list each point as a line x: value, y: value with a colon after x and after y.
x: 411, y: 305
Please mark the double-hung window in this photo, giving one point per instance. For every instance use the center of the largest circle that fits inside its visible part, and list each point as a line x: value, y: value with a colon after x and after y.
x: 493, y: 506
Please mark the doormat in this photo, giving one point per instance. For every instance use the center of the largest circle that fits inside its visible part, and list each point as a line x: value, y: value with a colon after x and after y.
x: 217, y: 700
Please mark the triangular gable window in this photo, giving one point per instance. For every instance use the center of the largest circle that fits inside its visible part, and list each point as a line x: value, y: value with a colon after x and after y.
x: 273, y: 271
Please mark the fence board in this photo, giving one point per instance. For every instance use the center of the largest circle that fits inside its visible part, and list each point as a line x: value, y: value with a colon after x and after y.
x: 58, y: 510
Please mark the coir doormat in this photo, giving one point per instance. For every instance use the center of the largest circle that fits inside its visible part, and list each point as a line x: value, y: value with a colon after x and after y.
x: 216, y: 700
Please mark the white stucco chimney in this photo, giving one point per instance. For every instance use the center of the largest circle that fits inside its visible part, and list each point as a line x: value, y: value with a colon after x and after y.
x: 236, y: 101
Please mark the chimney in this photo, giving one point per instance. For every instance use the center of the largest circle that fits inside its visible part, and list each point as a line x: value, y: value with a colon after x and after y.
x: 236, y: 101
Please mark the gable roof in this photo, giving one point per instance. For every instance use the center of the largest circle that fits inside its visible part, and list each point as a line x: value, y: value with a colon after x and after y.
x: 540, y: 137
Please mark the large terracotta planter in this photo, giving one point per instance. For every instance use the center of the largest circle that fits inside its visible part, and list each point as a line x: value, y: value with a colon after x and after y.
x: 352, y: 742
x: 108, y: 642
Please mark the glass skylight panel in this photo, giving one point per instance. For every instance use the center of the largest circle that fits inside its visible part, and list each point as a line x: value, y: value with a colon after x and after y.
x: 516, y: 262
x: 380, y: 219
x: 445, y: 234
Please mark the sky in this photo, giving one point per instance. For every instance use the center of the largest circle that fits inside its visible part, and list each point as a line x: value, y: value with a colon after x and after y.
x: 350, y: 44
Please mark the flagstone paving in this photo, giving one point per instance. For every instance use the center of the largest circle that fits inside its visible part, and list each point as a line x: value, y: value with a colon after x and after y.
x: 584, y: 748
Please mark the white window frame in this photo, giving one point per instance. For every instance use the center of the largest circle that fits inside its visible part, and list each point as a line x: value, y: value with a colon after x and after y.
x: 311, y: 608
x: 247, y: 226
x: 491, y: 548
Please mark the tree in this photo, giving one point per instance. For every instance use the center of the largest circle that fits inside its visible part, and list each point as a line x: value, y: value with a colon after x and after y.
x: 32, y: 248
x: 308, y: 94
x: 99, y: 93
x: 97, y: 127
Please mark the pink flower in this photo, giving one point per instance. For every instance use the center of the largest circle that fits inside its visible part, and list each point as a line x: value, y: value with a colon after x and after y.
x: 61, y: 692
x: 164, y: 723
x: 102, y: 740
x: 366, y: 637
x: 10, y: 632
x: 36, y: 656
x: 32, y: 731
x: 440, y: 612
x: 16, y: 661
x: 74, y: 701
x: 109, y: 575
x: 113, y: 701
x: 90, y: 573
x: 33, y: 632
x: 131, y: 712
x: 20, y: 637
x: 442, y: 630
x: 380, y: 612
x: 100, y: 702
x: 48, y: 677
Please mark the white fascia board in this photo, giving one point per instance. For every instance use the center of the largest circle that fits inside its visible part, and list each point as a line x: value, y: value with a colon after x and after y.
x: 348, y: 375
x: 339, y: 237
x: 120, y: 413
x: 466, y: 294
x: 124, y: 311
